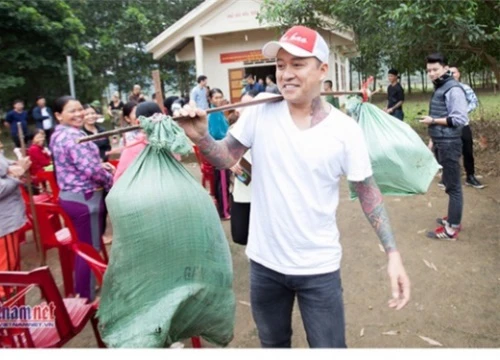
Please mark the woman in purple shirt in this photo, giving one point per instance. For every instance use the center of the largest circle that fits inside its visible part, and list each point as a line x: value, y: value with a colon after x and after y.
x: 82, y: 180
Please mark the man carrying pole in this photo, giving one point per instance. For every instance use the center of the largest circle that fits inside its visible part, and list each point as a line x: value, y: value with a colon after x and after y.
x: 301, y: 147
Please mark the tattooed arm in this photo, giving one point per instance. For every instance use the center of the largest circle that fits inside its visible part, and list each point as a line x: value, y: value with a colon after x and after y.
x: 374, y: 209
x: 222, y: 154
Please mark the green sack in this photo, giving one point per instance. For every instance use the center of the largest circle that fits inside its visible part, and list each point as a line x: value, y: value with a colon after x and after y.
x: 402, y: 164
x: 170, y: 271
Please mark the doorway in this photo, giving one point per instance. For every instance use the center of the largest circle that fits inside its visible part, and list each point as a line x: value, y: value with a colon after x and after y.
x: 260, y: 72
x: 237, y: 78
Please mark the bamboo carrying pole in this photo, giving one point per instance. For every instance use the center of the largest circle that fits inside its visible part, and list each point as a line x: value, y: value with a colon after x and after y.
x: 36, y: 229
x: 209, y: 111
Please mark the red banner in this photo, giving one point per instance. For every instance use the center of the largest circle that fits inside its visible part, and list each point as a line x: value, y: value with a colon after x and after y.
x: 252, y: 55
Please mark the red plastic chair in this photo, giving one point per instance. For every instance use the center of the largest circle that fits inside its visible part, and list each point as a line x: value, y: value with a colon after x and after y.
x: 98, y: 267
x: 71, y: 315
x: 54, y: 237
x: 44, y: 197
x: 50, y: 178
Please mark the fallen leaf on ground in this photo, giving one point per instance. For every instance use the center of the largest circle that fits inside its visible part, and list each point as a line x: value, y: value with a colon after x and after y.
x: 381, y: 248
x: 430, y: 341
x: 362, y: 333
x: 392, y: 332
x: 434, y: 266
x: 428, y: 264
x: 244, y: 303
x: 397, y: 199
x: 421, y: 231
x: 429, y: 204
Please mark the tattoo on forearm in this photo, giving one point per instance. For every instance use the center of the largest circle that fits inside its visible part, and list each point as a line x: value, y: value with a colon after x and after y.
x: 372, y: 204
x: 318, y: 112
x: 222, y: 154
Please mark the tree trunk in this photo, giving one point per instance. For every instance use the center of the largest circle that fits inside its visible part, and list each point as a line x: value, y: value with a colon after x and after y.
x: 409, y: 81
x: 350, y: 78
x: 359, y: 79
x: 374, y: 83
x: 424, y: 88
x: 470, y: 79
x: 474, y: 80
x: 484, y: 79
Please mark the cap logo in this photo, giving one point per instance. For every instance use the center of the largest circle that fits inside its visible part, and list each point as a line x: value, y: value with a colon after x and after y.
x: 295, y: 37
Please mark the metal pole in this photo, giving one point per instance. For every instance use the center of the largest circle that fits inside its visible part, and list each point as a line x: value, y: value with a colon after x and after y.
x: 70, y: 76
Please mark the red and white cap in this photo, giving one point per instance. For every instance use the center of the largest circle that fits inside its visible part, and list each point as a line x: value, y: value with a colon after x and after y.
x: 299, y: 41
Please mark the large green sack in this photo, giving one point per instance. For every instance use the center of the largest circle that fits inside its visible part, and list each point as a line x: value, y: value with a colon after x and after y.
x: 402, y: 164
x: 170, y: 271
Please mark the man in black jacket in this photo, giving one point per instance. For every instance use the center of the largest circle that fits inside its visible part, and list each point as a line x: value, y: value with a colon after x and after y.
x: 446, y: 119
x: 44, y: 119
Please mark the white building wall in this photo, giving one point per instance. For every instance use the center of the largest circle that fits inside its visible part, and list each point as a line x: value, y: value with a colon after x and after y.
x: 215, y: 45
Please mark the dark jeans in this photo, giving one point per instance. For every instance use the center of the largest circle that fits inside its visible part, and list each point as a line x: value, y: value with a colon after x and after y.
x: 240, y: 221
x: 320, y: 301
x: 398, y: 113
x: 48, y: 135
x: 17, y: 142
x: 468, y: 150
x: 449, y: 152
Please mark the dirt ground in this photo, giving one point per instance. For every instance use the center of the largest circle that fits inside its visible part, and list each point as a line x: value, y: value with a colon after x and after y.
x: 456, y: 304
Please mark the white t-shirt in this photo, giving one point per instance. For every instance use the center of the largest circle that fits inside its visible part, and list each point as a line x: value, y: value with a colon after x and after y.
x: 46, y: 123
x: 295, y: 186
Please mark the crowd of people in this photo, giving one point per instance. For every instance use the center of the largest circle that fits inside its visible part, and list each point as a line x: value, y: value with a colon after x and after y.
x: 293, y: 246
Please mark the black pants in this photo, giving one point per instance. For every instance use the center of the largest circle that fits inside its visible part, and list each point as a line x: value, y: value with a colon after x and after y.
x: 17, y: 142
x: 48, y: 134
x: 399, y: 114
x: 449, y: 151
x: 240, y: 221
x: 468, y: 150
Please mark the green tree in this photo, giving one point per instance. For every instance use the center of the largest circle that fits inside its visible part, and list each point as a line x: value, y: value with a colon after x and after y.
x: 35, y: 38
x: 116, y: 35
x: 403, y: 32
x: 463, y: 30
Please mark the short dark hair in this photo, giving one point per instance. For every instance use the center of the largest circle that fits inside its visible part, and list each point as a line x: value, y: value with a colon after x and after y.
x: 167, y: 103
x: 147, y: 109
x: 271, y: 77
x: 201, y: 78
x: 393, y: 71
x: 454, y: 65
x: 128, y: 107
x: 437, y: 58
x: 61, y: 102
x: 329, y: 82
x: 248, y: 75
x: 88, y: 106
x: 215, y: 91
x: 39, y: 97
x: 17, y: 101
